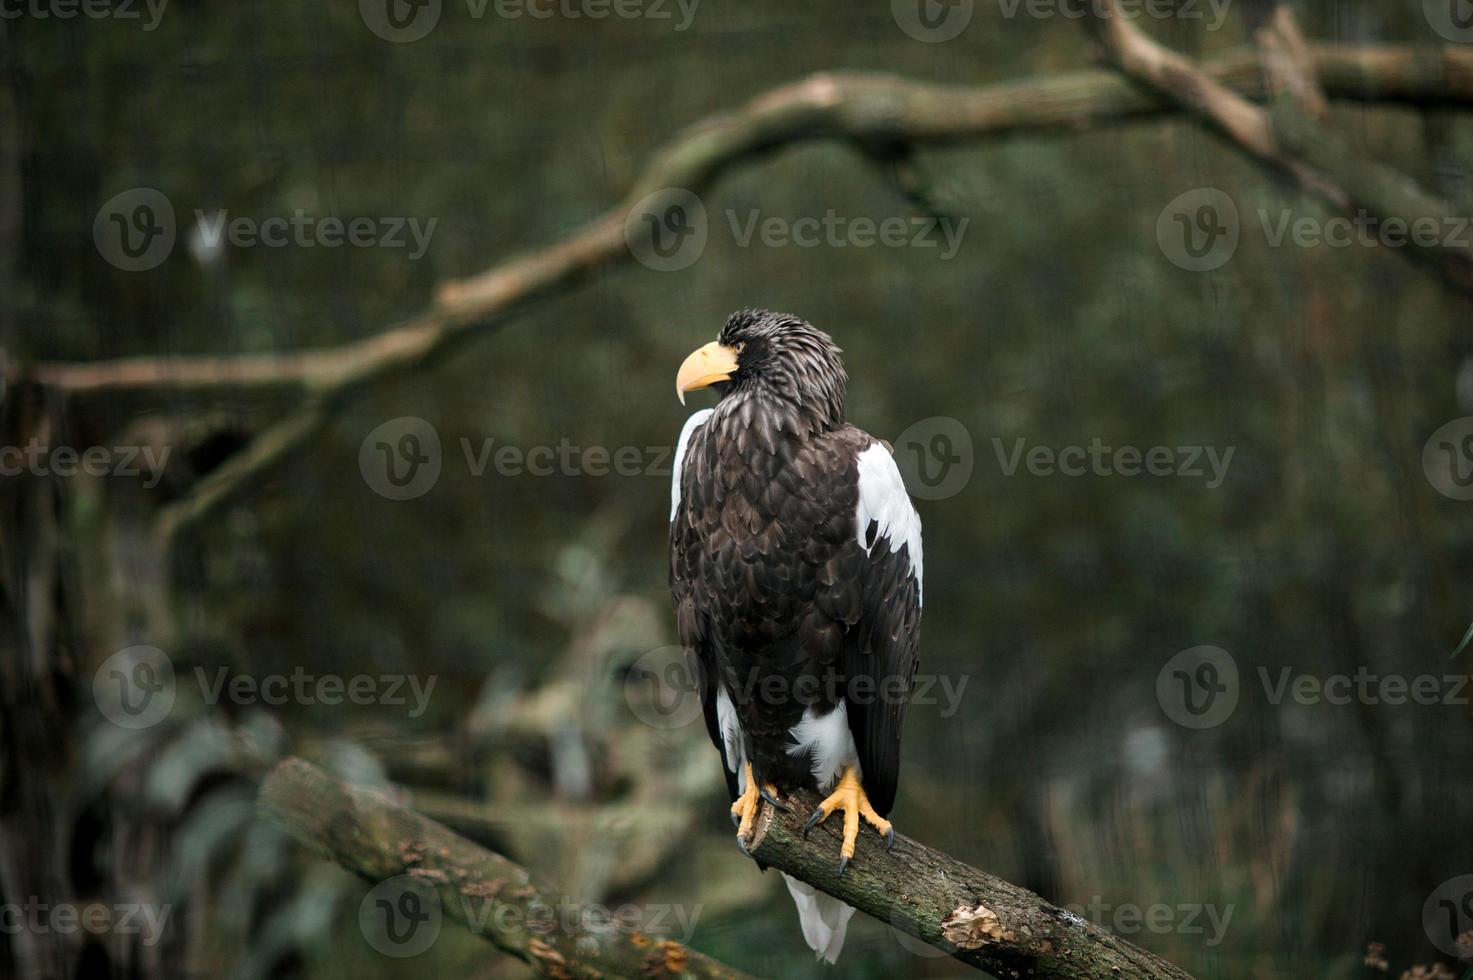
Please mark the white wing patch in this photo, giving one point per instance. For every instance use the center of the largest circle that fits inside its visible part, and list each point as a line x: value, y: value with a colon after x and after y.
x: 731, y: 734
x: 691, y: 424
x: 882, y: 499
x: 828, y: 738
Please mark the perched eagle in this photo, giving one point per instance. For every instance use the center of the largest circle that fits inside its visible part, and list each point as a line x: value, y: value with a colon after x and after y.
x: 795, y: 569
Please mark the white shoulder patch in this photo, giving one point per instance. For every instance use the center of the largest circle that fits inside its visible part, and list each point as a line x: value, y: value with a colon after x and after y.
x: 691, y: 425
x: 882, y: 499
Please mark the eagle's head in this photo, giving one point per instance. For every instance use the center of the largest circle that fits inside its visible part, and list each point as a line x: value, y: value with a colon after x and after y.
x: 776, y: 358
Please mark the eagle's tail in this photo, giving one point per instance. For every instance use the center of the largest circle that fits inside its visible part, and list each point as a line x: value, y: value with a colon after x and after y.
x: 824, y: 918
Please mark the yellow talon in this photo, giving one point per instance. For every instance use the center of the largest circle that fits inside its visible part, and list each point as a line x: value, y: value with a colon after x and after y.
x: 744, y: 810
x: 850, y: 797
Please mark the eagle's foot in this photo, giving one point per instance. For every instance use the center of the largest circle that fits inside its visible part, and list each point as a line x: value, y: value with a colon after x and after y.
x: 744, y: 810
x: 849, y: 796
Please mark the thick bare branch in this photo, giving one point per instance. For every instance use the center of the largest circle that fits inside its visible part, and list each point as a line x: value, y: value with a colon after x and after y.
x: 868, y: 109
x: 981, y: 920
x: 1289, y: 140
x: 854, y: 105
x: 495, y: 898
x: 1288, y: 65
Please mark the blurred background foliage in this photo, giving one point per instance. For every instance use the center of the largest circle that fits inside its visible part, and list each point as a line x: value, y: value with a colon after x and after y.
x: 1059, y: 599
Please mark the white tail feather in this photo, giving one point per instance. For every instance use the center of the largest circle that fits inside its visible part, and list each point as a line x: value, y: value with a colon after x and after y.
x: 824, y: 919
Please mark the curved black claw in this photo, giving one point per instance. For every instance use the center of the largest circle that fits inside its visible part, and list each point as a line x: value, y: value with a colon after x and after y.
x: 742, y: 843
x: 767, y: 795
x: 736, y: 819
x: 813, y: 819
x: 890, y: 839
x: 843, y: 866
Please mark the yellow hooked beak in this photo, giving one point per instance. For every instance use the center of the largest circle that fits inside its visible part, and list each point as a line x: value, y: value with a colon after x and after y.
x: 712, y: 363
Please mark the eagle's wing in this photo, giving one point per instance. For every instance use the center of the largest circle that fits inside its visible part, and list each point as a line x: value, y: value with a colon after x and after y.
x: 690, y: 624
x: 882, y: 645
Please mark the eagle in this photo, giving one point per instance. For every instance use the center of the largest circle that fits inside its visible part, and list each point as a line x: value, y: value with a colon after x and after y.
x: 795, y: 572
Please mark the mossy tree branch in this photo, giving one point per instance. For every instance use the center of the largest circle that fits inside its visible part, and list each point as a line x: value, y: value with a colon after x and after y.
x: 379, y: 840
x: 981, y: 920
x: 865, y: 109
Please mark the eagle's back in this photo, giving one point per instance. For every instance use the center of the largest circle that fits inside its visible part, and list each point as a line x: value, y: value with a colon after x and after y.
x: 795, y: 613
